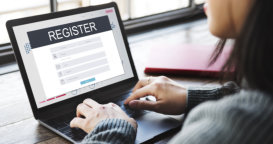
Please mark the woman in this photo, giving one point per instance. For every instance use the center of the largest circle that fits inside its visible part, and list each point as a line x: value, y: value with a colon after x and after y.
x: 232, y: 115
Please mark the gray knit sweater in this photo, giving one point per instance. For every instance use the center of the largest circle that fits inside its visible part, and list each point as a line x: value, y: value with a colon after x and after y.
x: 242, y: 118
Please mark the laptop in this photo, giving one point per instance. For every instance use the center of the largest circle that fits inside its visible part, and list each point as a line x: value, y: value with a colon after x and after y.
x: 66, y: 57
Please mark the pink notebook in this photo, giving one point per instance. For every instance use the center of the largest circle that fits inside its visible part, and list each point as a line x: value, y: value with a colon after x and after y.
x: 190, y: 60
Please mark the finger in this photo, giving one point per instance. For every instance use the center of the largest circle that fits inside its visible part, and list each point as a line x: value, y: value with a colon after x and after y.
x: 83, y: 110
x: 139, y: 85
x: 143, y: 105
x: 91, y: 103
x: 139, y: 93
x: 142, y: 83
x: 77, y: 123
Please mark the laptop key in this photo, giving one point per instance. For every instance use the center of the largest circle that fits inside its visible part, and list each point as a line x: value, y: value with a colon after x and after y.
x: 75, y: 133
x: 131, y: 112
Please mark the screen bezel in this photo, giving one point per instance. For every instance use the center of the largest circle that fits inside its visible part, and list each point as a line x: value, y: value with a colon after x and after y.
x: 17, y: 22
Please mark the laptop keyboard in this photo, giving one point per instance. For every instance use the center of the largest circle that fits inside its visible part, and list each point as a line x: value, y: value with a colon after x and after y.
x: 62, y: 123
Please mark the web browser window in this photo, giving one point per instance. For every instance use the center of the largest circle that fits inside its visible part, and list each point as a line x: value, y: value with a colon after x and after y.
x: 72, y: 55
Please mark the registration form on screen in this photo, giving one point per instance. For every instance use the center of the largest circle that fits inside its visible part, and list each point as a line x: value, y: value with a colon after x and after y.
x: 68, y: 56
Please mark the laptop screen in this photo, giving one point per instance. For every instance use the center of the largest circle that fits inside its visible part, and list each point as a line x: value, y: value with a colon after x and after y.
x: 68, y: 56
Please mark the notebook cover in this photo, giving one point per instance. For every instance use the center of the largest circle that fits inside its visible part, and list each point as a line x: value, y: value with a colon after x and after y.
x: 190, y: 60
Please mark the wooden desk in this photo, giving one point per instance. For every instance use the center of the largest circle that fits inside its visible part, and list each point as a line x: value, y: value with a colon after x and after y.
x: 17, y: 124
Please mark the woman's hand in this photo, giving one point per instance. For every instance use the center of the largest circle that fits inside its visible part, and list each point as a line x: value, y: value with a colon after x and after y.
x: 170, y: 96
x: 94, y: 112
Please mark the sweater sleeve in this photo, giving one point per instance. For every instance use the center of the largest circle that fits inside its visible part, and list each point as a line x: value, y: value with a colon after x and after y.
x: 198, y: 95
x: 243, y: 118
x: 111, y: 131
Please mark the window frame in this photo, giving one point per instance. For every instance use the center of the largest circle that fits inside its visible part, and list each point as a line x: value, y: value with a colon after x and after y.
x: 131, y: 25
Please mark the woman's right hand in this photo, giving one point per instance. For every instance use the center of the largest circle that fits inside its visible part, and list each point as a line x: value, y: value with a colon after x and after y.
x: 170, y: 96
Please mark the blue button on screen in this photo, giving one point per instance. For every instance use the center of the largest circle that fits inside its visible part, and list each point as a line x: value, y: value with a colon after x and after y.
x: 87, y: 81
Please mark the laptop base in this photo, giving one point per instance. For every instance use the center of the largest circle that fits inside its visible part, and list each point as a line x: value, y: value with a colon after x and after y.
x: 150, y: 124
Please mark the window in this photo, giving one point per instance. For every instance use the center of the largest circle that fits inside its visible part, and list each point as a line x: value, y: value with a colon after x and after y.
x: 198, y: 2
x: 19, y: 8
x: 130, y: 9
x: 69, y: 4
x: 134, y: 13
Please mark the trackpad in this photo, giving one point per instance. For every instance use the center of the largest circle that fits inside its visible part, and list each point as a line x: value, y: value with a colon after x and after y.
x: 152, y: 124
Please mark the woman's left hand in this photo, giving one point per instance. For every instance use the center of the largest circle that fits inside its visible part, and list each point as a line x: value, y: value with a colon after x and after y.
x: 90, y: 113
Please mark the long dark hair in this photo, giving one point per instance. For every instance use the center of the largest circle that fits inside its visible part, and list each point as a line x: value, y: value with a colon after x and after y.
x: 252, y: 55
